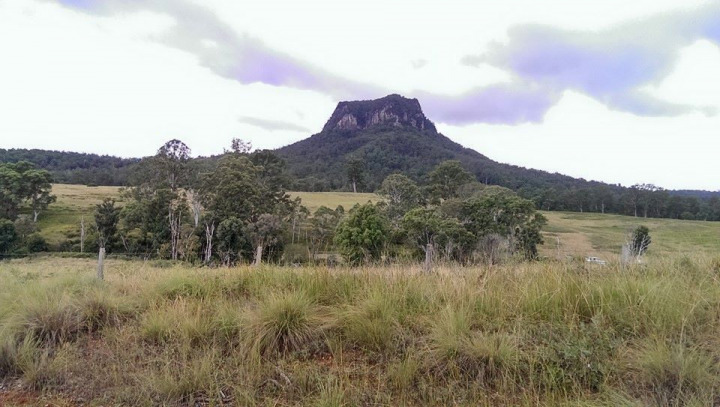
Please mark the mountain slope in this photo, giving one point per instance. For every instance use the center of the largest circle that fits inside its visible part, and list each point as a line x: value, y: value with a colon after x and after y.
x: 390, y: 135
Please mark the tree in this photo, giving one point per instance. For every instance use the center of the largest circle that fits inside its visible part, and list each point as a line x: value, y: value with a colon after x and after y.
x: 37, y: 186
x: 362, y: 236
x: 238, y: 146
x: 355, y: 169
x: 230, y: 240
x: 20, y: 182
x: 7, y: 235
x: 11, y: 195
x: 427, y: 228
x: 500, y: 211
x: 171, y: 160
x: 401, y: 194
x: 106, y: 220
x: 264, y: 232
x: 322, y: 228
x: 447, y: 178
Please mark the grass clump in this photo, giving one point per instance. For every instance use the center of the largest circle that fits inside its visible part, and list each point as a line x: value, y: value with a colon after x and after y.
x: 457, y: 349
x: 372, y: 323
x: 674, y: 373
x: 284, y: 323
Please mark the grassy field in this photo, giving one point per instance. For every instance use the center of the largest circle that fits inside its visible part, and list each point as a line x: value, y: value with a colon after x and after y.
x: 567, y: 233
x: 585, y: 234
x: 544, y: 333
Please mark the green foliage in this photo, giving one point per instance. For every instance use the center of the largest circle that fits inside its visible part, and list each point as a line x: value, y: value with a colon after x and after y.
x: 447, y: 178
x: 499, y: 211
x: 231, y: 240
x: 36, y: 243
x: 400, y: 193
x: 263, y: 233
x: 429, y: 230
x: 75, y: 168
x: 355, y: 169
x: 7, y: 235
x: 322, y: 228
x: 106, y: 221
x: 232, y: 190
x: 362, y: 236
x: 21, y: 182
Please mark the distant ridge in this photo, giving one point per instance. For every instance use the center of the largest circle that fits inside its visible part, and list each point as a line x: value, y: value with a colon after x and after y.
x: 75, y: 168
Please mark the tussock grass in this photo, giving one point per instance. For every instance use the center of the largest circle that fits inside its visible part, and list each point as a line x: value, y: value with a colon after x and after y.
x: 283, y: 323
x: 546, y: 333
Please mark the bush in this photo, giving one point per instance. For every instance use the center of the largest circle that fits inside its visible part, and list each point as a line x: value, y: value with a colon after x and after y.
x: 36, y: 243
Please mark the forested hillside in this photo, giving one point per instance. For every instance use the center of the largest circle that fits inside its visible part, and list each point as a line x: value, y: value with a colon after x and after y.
x: 75, y: 168
x: 376, y: 138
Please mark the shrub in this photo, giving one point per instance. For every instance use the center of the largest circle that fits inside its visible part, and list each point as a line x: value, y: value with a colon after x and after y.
x: 36, y: 243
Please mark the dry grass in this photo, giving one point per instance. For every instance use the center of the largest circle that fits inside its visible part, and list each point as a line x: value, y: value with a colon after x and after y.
x: 545, y: 333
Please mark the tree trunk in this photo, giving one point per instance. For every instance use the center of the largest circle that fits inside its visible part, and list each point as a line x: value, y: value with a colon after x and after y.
x: 602, y: 206
x: 35, y: 215
x: 258, y: 255
x: 427, y: 267
x: 101, y: 260
x: 354, y: 187
x: 82, y: 234
x: 209, y: 231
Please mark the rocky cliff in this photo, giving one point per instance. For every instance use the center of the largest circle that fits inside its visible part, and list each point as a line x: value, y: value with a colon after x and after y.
x: 392, y: 110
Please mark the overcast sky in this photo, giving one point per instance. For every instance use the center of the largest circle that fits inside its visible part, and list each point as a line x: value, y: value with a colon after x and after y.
x: 617, y: 91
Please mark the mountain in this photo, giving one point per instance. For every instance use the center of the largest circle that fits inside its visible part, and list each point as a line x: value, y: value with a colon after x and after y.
x: 392, y: 134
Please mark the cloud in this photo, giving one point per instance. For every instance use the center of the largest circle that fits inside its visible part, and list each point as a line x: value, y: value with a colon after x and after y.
x: 272, y: 125
x: 503, y: 104
x: 418, y: 63
x: 612, y: 65
x: 232, y: 55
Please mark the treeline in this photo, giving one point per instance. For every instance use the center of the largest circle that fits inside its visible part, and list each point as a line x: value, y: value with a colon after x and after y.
x: 237, y: 211
x: 75, y: 168
x: 640, y: 200
x: 322, y: 163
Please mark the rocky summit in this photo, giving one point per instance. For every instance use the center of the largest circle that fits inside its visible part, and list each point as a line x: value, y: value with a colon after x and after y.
x: 393, y: 110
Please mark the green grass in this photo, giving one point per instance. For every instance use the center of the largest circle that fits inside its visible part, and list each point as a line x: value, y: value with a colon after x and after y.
x: 545, y: 333
x: 587, y: 234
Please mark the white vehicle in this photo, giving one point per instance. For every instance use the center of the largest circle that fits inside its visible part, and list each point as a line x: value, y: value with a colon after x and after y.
x: 595, y: 260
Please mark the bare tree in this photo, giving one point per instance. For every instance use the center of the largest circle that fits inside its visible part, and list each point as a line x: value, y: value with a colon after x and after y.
x: 82, y: 234
x: 209, y: 232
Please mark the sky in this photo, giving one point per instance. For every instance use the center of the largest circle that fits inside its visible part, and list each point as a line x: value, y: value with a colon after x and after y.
x: 616, y: 91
